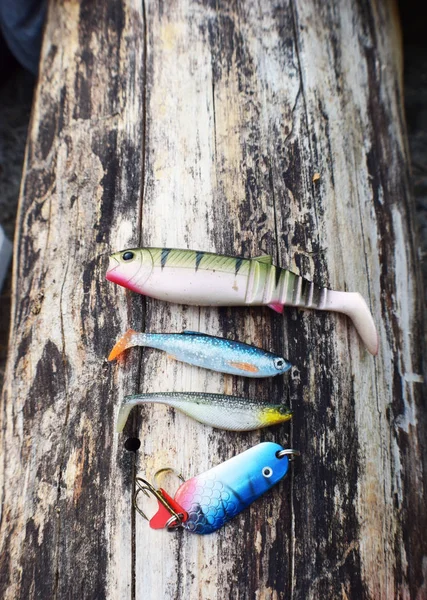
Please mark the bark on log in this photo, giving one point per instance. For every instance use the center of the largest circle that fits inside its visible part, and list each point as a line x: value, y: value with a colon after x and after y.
x: 203, y: 125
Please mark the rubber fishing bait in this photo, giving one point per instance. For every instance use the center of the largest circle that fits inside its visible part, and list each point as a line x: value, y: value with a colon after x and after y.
x: 206, y: 279
x: 206, y: 502
x: 207, y: 351
x: 217, y: 410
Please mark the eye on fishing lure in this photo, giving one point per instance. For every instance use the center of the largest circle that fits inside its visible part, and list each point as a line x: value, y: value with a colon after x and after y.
x: 206, y: 502
x: 206, y: 279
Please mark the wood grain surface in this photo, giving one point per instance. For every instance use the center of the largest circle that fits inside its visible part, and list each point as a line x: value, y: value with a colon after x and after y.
x: 241, y: 128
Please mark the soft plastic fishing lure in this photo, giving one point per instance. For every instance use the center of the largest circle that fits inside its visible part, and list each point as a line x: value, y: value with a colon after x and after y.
x: 217, y: 410
x: 207, y: 351
x: 206, y: 502
x: 206, y: 279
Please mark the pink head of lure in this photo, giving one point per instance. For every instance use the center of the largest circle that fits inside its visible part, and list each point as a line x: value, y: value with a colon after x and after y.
x: 206, y: 502
x: 206, y: 279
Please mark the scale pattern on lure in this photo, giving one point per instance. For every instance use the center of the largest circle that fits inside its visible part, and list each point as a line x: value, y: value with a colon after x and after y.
x: 206, y: 279
x: 209, y: 500
x: 209, y: 352
x: 217, y: 410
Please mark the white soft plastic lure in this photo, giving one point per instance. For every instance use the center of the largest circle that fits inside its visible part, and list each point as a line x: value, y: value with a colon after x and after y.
x: 206, y: 279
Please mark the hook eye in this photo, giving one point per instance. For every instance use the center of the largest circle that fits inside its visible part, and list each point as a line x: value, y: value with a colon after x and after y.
x: 288, y: 452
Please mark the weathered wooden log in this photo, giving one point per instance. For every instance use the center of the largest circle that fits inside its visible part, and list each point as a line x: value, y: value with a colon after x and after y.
x: 239, y: 128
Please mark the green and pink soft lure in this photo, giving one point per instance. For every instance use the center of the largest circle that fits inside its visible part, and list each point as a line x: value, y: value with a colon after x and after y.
x: 206, y: 279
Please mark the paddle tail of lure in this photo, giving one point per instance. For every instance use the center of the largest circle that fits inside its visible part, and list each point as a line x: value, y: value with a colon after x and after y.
x: 354, y: 306
x: 213, y: 498
x: 128, y: 340
x: 206, y: 279
x: 217, y: 410
x: 134, y: 338
x: 351, y: 304
x: 208, y: 352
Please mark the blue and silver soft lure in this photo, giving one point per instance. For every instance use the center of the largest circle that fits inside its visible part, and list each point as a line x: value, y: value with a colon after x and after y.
x: 206, y: 502
x: 209, y: 352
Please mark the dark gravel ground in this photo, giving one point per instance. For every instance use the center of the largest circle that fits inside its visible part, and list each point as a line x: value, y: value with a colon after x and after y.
x: 16, y: 92
x: 415, y: 70
x: 416, y: 119
x: 15, y: 106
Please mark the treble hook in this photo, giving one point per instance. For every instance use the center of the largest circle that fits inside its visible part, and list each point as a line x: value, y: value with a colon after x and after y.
x: 164, y: 471
x: 145, y: 487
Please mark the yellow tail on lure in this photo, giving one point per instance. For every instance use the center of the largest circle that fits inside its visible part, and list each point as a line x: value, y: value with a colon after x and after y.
x: 207, y: 279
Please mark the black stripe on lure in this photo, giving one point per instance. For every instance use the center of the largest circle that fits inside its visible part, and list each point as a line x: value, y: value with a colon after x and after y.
x: 217, y: 410
x: 207, y: 351
x: 206, y: 279
x: 208, y: 501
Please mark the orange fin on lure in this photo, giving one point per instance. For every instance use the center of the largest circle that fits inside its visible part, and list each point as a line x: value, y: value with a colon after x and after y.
x: 244, y: 366
x: 125, y: 342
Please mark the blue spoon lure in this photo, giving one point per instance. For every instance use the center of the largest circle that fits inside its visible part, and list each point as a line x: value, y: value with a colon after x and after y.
x: 206, y: 502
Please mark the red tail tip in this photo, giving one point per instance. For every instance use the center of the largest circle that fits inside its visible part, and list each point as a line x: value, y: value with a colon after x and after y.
x: 277, y: 307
